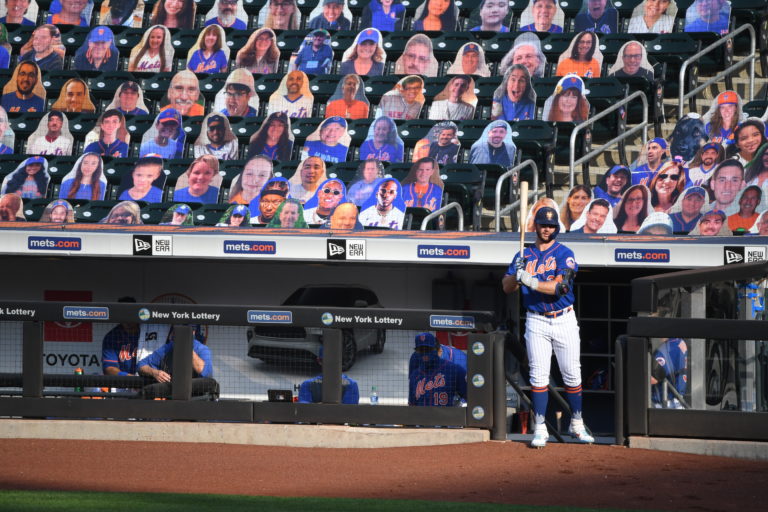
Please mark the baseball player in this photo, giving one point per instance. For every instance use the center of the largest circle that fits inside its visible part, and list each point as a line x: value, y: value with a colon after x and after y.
x: 670, y: 363
x: 546, y: 271
x: 433, y: 380
x: 446, y: 352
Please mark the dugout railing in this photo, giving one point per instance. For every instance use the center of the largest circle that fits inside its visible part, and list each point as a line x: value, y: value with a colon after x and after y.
x: 720, y: 314
x: 27, y: 394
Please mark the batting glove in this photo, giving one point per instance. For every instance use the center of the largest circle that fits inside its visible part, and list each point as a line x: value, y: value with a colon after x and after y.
x: 527, y: 279
x: 520, y: 264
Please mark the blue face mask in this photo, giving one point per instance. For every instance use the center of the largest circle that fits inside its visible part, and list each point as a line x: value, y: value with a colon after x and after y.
x: 429, y: 360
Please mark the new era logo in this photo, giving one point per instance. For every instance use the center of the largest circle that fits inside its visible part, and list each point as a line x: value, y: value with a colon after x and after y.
x: 335, y: 250
x: 142, y: 245
x: 733, y: 257
x: 149, y: 245
x: 346, y: 249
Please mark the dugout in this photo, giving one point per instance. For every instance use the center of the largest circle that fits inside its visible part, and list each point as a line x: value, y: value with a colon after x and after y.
x: 407, y: 270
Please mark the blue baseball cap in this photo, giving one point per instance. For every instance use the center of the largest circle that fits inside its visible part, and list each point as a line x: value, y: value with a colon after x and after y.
x: 169, y: 114
x: 695, y: 190
x: 336, y: 119
x: 570, y: 82
x: 660, y: 141
x: 617, y: 168
x: 35, y: 160
x: 425, y: 339
x: 715, y: 211
x: 368, y: 34
x: 183, y: 209
x: 711, y: 145
x: 240, y: 210
x: 101, y: 35
x: 470, y: 48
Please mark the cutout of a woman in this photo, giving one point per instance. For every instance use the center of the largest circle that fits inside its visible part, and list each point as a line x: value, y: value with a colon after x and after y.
x: 260, y: 53
x: 154, y: 53
x: 210, y: 54
x: 86, y: 180
x: 273, y: 139
x: 247, y: 185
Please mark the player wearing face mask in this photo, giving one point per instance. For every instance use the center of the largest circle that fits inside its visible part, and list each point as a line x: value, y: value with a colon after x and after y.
x: 433, y: 380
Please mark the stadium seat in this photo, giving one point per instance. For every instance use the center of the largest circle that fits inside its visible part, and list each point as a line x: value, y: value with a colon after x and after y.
x: 209, y: 214
x: 673, y: 50
x: 536, y: 140
x: 267, y: 84
x: 465, y: 184
x: 323, y: 87
x: 211, y: 84
x: 94, y: 211
x: 104, y: 85
x: 155, y: 86
x: 33, y: 208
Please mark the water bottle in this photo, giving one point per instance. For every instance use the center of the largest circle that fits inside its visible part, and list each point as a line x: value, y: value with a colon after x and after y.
x: 374, y: 396
x: 78, y: 371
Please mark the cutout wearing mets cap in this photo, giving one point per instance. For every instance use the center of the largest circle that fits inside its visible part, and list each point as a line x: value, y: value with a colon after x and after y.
x: 727, y: 98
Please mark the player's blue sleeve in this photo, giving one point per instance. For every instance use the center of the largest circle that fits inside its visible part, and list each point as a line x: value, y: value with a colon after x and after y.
x: 205, y: 354
x: 5, y: 58
x: 511, y: 270
x: 305, y: 395
x: 412, y: 362
x: 109, y: 355
x: 566, y: 261
x: 155, y: 359
x: 351, y: 392
x: 412, y: 387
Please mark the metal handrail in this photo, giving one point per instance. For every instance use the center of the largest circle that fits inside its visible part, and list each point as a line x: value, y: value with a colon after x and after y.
x: 628, y: 133
x: 516, y: 204
x: 750, y: 59
x: 450, y: 206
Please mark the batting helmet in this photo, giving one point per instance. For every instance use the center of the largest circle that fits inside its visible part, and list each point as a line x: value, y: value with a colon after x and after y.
x: 547, y: 216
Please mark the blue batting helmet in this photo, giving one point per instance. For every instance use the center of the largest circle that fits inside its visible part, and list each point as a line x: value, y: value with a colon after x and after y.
x: 547, y: 216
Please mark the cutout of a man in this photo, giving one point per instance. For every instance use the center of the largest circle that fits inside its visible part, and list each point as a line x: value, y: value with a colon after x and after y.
x: 111, y: 125
x: 385, y: 208
x: 293, y: 98
x: 597, y: 16
x: 183, y: 94
x: 24, y: 93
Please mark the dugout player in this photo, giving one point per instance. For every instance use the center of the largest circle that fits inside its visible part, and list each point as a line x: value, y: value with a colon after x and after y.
x: 434, y: 381
x: 546, y: 272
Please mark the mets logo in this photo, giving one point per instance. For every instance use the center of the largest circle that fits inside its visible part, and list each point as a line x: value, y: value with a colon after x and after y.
x: 424, y: 385
x: 326, y: 318
x: 144, y: 314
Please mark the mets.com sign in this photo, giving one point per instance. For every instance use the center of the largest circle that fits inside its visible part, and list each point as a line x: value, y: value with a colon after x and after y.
x: 451, y: 321
x: 642, y: 255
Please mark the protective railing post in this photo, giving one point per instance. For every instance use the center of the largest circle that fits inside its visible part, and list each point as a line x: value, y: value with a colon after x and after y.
x: 181, y: 382
x: 619, y: 390
x: 332, y: 355
x: 499, y: 431
x: 32, y: 360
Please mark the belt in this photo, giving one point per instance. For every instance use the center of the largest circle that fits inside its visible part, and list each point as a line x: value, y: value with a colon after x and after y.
x: 553, y: 314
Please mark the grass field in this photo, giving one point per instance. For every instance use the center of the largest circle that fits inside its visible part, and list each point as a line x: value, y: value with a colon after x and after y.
x: 50, y: 501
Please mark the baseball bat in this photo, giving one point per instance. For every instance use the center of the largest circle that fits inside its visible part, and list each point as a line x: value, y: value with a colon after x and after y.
x: 523, y: 213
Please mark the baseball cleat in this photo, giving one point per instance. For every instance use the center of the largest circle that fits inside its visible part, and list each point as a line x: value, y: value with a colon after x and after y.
x: 540, y: 438
x: 579, y: 432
